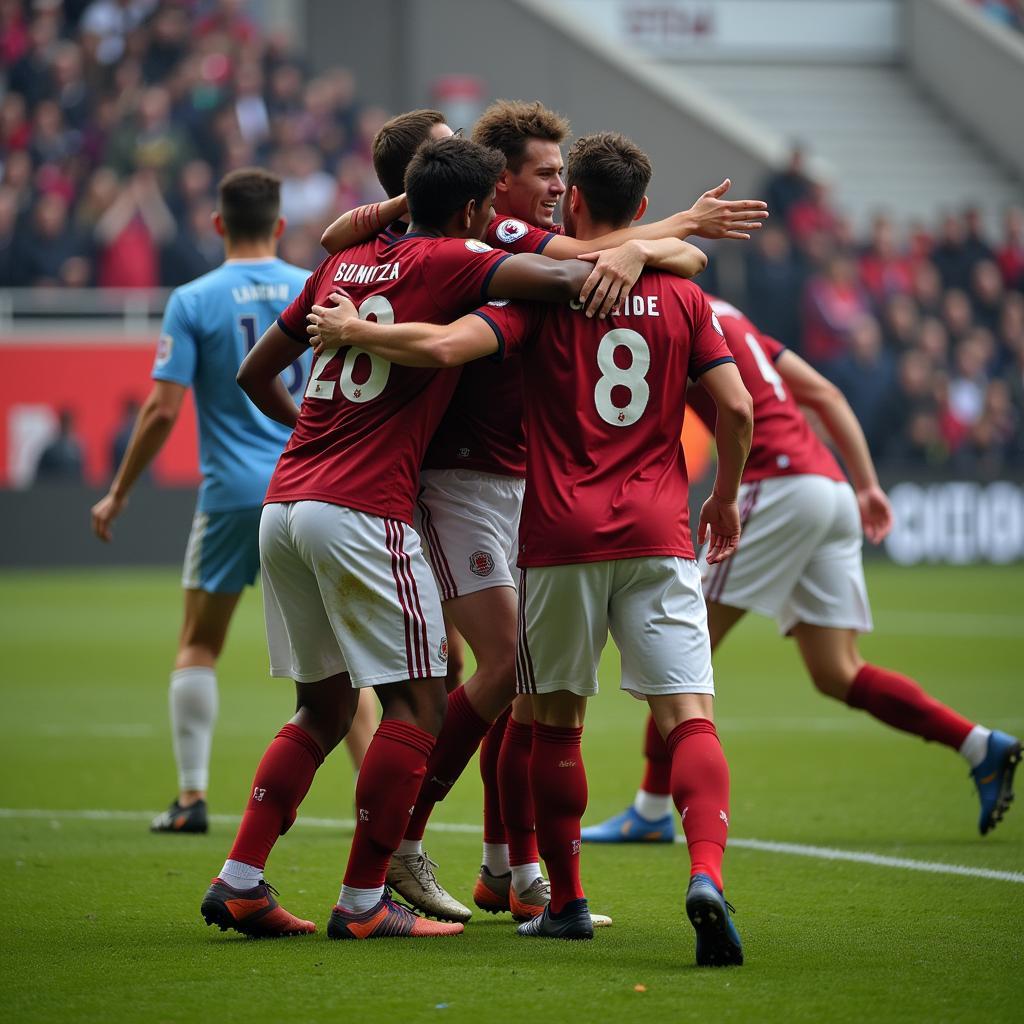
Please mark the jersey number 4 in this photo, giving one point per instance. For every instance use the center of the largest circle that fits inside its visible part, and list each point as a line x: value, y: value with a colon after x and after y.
x: 632, y: 379
x: 379, y: 369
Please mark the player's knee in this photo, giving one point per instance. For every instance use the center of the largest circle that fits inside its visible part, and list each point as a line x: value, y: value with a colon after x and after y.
x: 830, y: 681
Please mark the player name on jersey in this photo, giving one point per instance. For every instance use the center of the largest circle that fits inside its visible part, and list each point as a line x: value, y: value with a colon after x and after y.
x: 363, y: 273
x: 271, y: 292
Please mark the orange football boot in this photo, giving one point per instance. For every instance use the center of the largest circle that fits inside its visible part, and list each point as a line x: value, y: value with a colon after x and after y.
x: 252, y: 912
x: 387, y: 920
x: 492, y: 892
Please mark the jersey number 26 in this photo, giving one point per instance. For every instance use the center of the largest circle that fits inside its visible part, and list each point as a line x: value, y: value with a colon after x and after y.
x: 380, y: 369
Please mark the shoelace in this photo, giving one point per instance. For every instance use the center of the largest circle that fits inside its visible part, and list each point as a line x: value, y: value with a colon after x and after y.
x: 270, y: 888
x: 729, y: 907
x: 425, y: 865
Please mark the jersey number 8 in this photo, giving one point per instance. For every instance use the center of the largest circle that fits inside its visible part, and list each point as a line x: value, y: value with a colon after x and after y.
x: 633, y: 378
x: 380, y: 369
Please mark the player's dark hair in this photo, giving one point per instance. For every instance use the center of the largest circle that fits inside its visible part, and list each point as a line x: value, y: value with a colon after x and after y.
x: 250, y: 203
x: 396, y: 143
x: 445, y: 174
x: 508, y: 125
x: 612, y: 173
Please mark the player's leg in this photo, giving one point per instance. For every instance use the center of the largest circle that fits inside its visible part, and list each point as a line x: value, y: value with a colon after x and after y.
x: 563, y: 627
x: 491, y: 892
x: 221, y: 559
x: 363, y: 724
x: 650, y: 818
x: 487, y: 620
x: 302, y: 644
x: 828, y: 608
x: 838, y: 670
x: 658, y: 619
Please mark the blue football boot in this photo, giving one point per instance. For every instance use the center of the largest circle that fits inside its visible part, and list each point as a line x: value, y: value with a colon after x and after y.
x: 718, y: 942
x: 629, y: 827
x: 994, y: 778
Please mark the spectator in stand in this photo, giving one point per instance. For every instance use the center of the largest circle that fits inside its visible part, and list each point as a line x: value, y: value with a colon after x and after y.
x: 987, y: 293
x: 150, y: 139
x: 957, y: 314
x: 950, y: 254
x: 866, y: 374
x: 14, y: 36
x: 900, y: 322
x: 787, y: 187
x: 812, y: 217
x: 61, y: 460
x: 48, y: 244
x: 130, y: 233
x: 307, y: 190
x: 926, y: 288
x: 30, y: 76
x: 1011, y: 251
x: 8, y: 237
x: 196, y: 249
x: 15, y: 128
x: 976, y: 248
x: 833, y: 305
x: 70, y: 90
x: 884, y: 270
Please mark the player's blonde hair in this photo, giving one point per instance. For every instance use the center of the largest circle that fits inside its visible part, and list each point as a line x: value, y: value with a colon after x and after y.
x: 508, y: 125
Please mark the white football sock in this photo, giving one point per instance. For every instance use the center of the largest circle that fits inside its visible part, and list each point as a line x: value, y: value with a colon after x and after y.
x: 409, y: 846
x: 193, y: 699
x: 239, y: 875
x: 975, y: 747
x: 357, y: 901
x: 524, y: 875
x: 652, y: 806
x: 496, y: 858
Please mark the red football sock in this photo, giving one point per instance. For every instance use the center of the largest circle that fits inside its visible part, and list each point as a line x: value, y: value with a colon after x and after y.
x: 460, y: 735
x: 901, y: 703
x: 559, y: 784
x: 658, y: 773
x: 490, y: 751
x: 282, y: 780
x: 700, y: 791
x: 516, y: 799
x: 389, y: 779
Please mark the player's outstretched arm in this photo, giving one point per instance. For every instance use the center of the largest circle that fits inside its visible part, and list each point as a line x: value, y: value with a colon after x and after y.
x: 406, y: 344
x: 259, y: 376
x: 529, y: 276
x: 362, y: 223
x: 816, y: 392
x: 153, y: 425
x: 733, y: 428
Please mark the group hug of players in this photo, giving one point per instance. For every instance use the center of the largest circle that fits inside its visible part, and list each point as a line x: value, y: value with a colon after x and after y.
x: 488, y: 447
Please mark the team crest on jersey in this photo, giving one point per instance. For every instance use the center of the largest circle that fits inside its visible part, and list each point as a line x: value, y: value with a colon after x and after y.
x: 442, y: 649
x: 499, y: 302
x: 164, y: 347
x: 475, y: 245
x: 716, y: 323
x: 510, y: 230
x: 481, y: 563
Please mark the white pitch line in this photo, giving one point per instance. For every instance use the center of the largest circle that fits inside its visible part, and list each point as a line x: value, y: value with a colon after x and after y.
x: 761, y: 845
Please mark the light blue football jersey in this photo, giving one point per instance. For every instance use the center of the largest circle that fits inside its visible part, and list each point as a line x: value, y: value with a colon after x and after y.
x: 209, y: 326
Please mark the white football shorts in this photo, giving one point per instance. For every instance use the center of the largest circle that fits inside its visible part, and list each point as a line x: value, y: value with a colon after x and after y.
x: 469, y: 522
x: 799, y: 557
x: 346, y: 591
x: 653, y: 608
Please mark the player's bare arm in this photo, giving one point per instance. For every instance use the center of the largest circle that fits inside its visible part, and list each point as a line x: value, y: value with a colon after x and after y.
x: 733, y: 430
x: 407, y: 344
x: 816, y: 392
x: 153, y: 426
x: 621, y: 267
x: 362, y: 223
x: 259, y: 376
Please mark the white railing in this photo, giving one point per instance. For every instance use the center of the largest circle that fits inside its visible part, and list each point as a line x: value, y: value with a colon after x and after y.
x: 119, y: 311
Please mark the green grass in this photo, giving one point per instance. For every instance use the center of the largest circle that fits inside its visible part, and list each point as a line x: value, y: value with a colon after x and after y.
x: 102, y: 918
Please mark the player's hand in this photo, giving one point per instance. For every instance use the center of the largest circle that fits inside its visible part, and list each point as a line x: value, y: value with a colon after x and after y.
x: 325, y: 325
x: 727, y: 218
x: 104, y: 512
x: 722, y: 519
x: 875, y: 513
x: 615, y: 272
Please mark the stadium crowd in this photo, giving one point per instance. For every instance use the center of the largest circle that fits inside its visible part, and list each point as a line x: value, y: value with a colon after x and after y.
x: 118, y: 117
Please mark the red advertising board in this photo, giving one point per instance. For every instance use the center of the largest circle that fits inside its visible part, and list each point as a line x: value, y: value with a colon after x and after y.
x: 93, y: 380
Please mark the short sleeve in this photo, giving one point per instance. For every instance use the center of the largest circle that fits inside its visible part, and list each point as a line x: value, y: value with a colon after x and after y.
x: 458, y: 272
x: 176, y: 352
x: 709, y: 348
x: 513, y: 323
x: 514, y: 235
x: 293, y: 320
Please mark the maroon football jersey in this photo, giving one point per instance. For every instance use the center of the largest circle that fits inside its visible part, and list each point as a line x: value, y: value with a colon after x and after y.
x: 784, y: 444
x: 365, y: 423
x: 482, y: 428
x: 604, y: 403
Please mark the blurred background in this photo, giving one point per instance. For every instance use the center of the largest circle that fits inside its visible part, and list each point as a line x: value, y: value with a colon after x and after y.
x: 886, y: 135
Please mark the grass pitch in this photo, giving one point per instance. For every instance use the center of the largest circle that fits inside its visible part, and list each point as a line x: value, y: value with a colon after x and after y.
x: 102, y: 919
